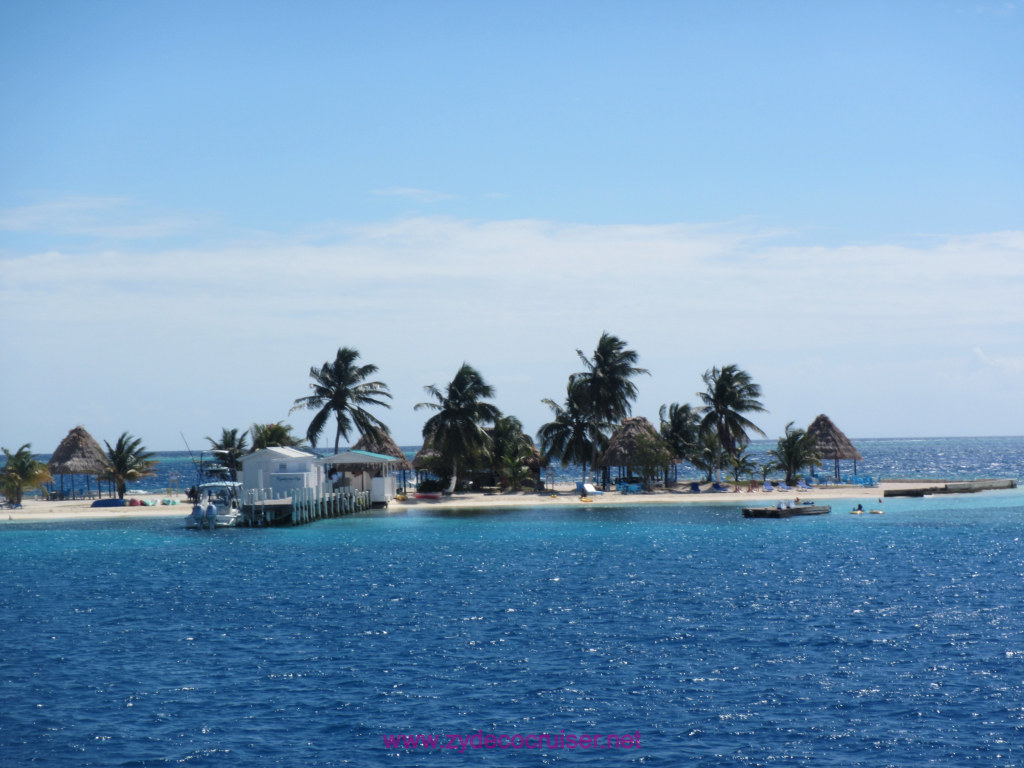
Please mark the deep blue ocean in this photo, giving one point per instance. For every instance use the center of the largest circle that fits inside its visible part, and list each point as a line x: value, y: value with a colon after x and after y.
x: 876, y: 640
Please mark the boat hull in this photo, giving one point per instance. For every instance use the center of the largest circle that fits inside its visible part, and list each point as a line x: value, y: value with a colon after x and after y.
x: 217, y: 521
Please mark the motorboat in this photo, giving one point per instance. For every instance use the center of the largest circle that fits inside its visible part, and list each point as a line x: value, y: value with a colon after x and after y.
x: 218, y: 505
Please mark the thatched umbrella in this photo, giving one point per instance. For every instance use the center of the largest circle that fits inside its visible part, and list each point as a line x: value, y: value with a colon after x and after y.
x: 78, y: 454
x: 832, y: 443
x: 624, y: 447
x: 424, y: 458
x: 382, y: 443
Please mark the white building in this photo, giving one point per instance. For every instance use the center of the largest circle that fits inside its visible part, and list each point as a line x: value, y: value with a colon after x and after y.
x: 281, y: 470
x: 364, y: 471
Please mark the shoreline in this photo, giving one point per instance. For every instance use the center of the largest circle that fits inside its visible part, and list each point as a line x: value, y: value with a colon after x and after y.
x: 564, y: 494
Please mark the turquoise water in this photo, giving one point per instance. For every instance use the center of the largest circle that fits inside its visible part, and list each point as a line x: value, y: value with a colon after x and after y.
x: 889, y: 640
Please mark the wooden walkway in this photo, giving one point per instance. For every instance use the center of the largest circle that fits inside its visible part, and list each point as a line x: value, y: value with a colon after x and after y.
x: 305, y: 505
x: 310, y: 504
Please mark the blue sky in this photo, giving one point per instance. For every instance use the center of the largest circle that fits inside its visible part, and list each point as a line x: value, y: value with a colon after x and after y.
x: 199, y: 201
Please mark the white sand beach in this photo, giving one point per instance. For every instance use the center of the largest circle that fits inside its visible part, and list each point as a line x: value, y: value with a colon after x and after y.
x: 565, y: 494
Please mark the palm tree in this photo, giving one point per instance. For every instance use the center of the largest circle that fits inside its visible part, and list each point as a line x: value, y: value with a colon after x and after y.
x: 680, y: 428
x: 456, y: 431
x: 513, y: 466
x: 340, y: 389
x: 730, y: 392
x: 510, y: 447
x: 21, y: 473
x: 276, y: 435
x: 651, y: 455
x: 572, y: 436
x: 607, y: 390
x: 127, y: 461
x: 794, y: 451
x: 706, y: 454
x: 234, y: 447
x: 766, y: 469
x: 742, y: 464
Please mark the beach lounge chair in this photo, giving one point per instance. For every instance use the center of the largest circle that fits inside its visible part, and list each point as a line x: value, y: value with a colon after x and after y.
x: 803, y: 486
x: 783, y: 487
x: 694, y: 487
x: 768, y: 487
x: 717, y: 487
x: 590, y: 490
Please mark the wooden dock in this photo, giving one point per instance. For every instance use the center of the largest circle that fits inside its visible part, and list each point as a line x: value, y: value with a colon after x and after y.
x: 970, y: 486
x: 305, y: 505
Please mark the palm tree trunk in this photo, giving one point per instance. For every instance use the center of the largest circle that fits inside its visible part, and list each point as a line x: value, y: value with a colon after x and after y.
x: 455, y: 476
x: 721, y: 449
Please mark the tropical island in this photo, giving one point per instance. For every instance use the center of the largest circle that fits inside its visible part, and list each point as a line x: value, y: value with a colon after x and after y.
x: 473, y: 453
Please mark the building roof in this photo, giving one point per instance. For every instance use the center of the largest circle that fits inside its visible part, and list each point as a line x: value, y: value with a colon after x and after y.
x: 832, y: 443
x: 278, y: 452
x: 624, y: 444
x: 78, y: 454
x: 359, y: 457
x: 382, y: 443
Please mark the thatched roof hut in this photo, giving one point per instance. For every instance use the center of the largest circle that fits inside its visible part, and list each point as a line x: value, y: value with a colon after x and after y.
x: 424, y: 457
x: 78, y: 454
x: 536, y: 460
x: 832, y: 443
x: 383, y: 443
x: 624, y: 445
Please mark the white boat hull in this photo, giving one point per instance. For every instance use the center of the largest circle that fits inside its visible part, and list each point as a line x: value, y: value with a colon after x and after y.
x: 218, y: 507
x: 217, y: 521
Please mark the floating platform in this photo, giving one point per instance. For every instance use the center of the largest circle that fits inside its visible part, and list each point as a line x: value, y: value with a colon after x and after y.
x: 797, y: 510
x: 970, y: 486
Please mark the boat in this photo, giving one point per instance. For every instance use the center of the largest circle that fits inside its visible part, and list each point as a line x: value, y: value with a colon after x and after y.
x: 787, y: 510
x: 218, y: 506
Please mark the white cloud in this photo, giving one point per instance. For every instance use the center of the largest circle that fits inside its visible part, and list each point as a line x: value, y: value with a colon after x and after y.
x: 819, y: 326
x: 1006, y: 365
x: 112, y: 218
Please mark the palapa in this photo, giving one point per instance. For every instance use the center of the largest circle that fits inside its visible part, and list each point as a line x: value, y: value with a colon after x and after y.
x: 832, y: 443
x: 78, y: 454
x: 383, y: 444
x: 624, y: 444
x: 425, y: 458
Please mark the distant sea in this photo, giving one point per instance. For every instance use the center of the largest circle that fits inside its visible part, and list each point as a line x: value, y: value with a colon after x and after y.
x: 875, y: 640
x: 949, y: 458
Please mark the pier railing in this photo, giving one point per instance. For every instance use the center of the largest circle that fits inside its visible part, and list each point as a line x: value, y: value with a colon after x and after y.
x: 309, y: 504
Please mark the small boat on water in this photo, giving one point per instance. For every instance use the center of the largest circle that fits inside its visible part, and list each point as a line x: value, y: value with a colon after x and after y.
x: 218, y: 506
x: 787, y: 510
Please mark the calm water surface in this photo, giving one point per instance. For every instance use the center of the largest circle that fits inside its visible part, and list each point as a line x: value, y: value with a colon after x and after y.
x: 873, y: 640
